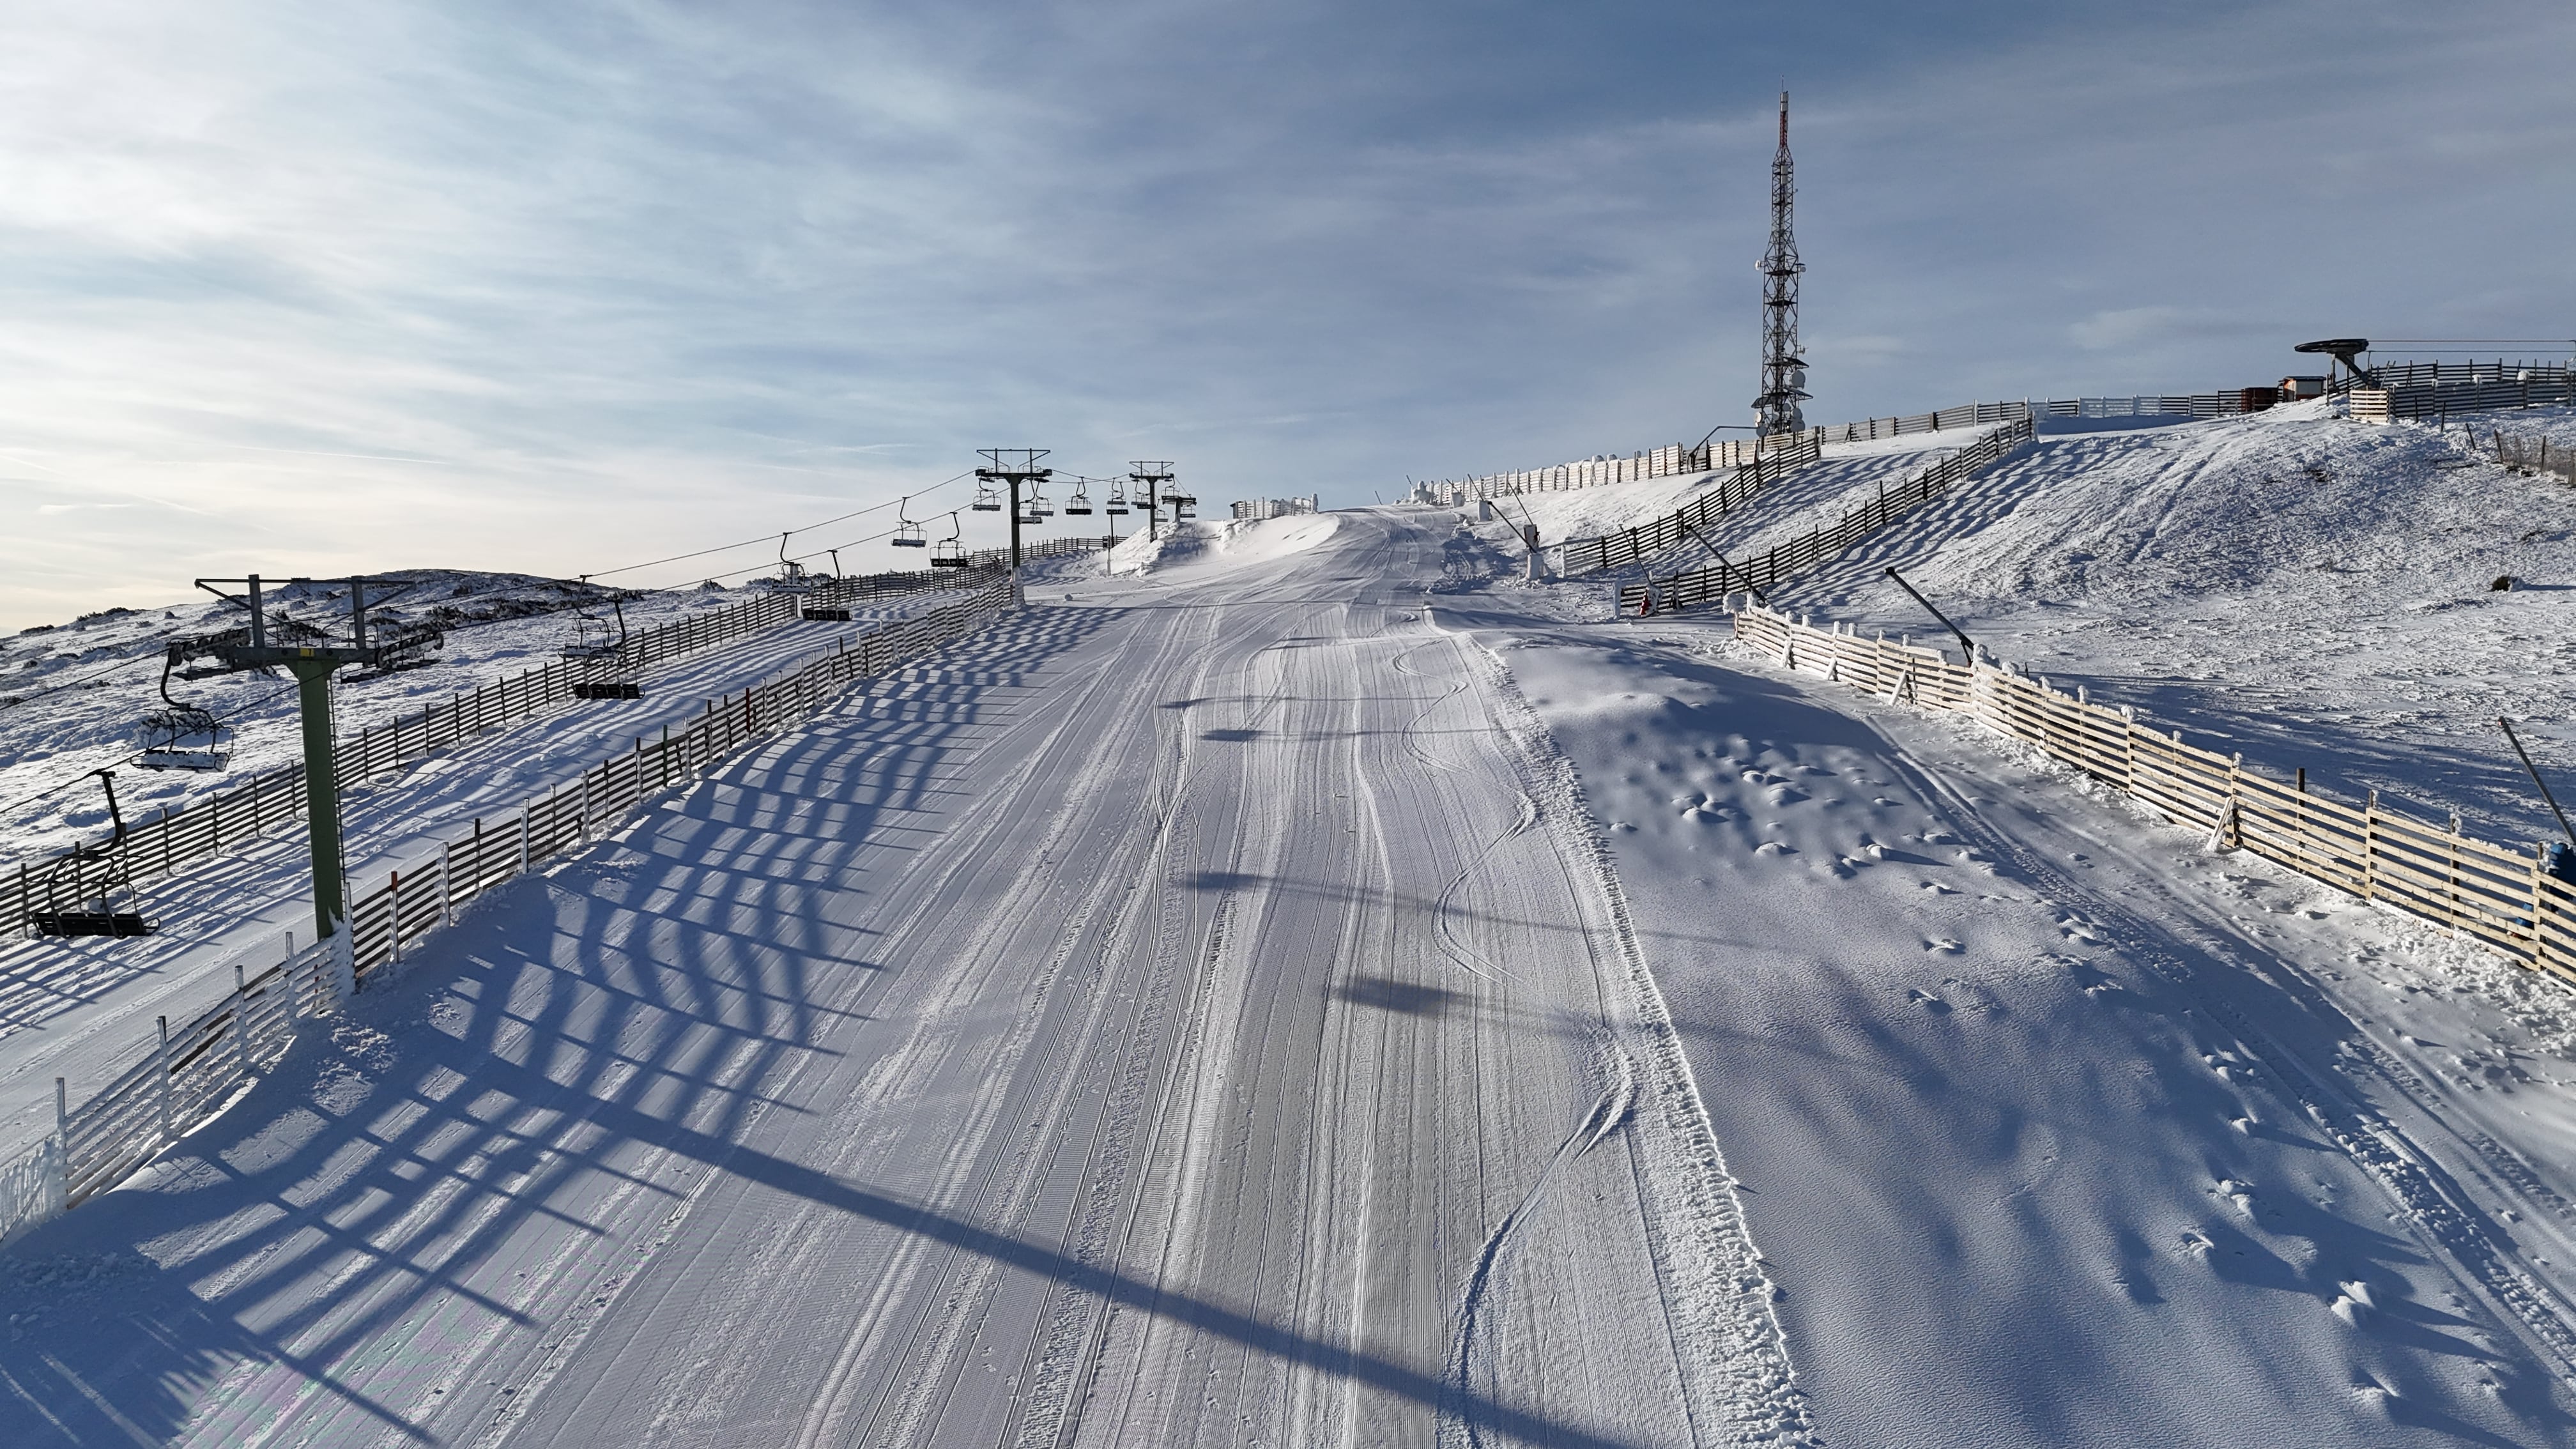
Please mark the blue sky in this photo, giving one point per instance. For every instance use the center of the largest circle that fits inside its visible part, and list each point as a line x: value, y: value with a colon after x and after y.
x: 307, y: 288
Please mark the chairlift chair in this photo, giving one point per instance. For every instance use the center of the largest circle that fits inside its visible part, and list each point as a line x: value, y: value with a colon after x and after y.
x: 988, y: 498
x: 1117, y: 504
x: 1080, y: 502
x: 617, y: 679
x: 180, y: 736
x: 792, y: 576
x: 907, y: 534
x: 1038, y: 505
x: 950, y: 552
x: 93, y: 910
x: 592, y: 637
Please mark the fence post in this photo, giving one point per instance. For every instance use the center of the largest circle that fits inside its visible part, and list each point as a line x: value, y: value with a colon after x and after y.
x: 161, y: 1069
x: 2229, y: 833
x: 2539, y: 907
x: 241, y: 1019
x: 63, y: 1135
x: 344, y: 967
x: 524, y: 826
x: 2370, y: 848
x: 2451, y: 869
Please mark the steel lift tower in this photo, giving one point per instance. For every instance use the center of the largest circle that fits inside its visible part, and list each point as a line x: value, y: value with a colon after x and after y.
x: 1155, y: 476
x: 312, y: 658
x: 1016, y: 467
x: 1784, y: 372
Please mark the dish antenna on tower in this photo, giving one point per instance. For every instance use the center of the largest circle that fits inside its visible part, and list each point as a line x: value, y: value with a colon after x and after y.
x: 2346, y: 350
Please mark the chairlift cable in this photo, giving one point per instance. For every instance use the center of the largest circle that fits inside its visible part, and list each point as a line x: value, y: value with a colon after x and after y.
x: 58, y: 688
x: 133, y: 758
x: 764, y: 538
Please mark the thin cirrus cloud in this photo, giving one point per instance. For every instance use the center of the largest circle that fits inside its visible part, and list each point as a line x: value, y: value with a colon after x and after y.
x: 561, y: 288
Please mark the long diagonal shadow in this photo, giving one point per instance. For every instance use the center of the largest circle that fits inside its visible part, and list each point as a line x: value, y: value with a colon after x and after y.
x: 822, y: 1188
x: 633, y: 1011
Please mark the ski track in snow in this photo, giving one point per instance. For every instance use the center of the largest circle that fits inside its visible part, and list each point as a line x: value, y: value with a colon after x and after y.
x: 1060, y: 1042
x: 1293, y: 987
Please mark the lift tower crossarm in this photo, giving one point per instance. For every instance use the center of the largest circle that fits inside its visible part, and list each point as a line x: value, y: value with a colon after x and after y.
x: 312, y: 665
x: 1153, y: 473
x: 1014, y: 466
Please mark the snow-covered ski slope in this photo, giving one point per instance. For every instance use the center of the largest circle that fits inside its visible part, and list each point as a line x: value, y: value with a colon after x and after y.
x: 84, y: 1010
x: 1303, y: 989
x: 1193, y: 1014
x: 2054, y: 1130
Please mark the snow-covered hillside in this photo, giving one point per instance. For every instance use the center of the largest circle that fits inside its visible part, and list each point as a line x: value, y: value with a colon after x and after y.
x: 70, y: 695
x: 2312, y: 591
x: 1308, y: 986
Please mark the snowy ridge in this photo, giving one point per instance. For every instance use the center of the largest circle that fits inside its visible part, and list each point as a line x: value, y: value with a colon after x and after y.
x: 2311, y: 590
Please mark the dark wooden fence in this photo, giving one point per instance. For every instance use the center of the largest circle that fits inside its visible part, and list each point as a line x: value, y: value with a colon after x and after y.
x: 1764, y: 572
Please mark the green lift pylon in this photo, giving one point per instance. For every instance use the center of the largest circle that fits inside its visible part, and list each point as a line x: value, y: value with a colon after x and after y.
x: 312, y: 663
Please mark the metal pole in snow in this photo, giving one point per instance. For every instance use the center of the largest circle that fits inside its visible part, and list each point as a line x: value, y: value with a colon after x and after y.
x: 2535, y: 779
x: 1964, y: 641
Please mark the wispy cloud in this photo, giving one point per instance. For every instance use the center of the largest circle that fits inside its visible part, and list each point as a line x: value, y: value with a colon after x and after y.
x: 562, y: 287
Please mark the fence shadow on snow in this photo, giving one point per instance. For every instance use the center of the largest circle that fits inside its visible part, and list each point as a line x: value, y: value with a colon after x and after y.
x: 631, y: 1056
x: 41, y: 980
x: 649, y: 997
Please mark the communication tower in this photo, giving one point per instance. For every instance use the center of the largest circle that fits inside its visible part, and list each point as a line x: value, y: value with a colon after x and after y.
x: 1784, y: 372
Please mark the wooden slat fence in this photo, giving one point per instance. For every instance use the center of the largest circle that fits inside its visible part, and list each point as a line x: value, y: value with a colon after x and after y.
x: 1967, y: 415
x: 2551, y: 375
x: 176, y: 838
x: 1765, y: 572
x: 2434, y: 402
x: 1256, y: 509
x: 1038, y: 548
x: 1708, y: 457
x: 2149, y: 405
x: 2493, y: 893
x: 188, y: 1072
x: 1633, y: 545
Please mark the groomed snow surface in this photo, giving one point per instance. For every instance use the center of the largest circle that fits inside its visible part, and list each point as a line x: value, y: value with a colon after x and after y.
x: 1306, y: 987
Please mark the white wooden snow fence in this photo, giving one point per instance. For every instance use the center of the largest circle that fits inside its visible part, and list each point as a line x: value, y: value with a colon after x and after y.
x: 1709, y: 455
x: 189, y: 1072
x: 2493, y: 893
x: 179, y: 837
